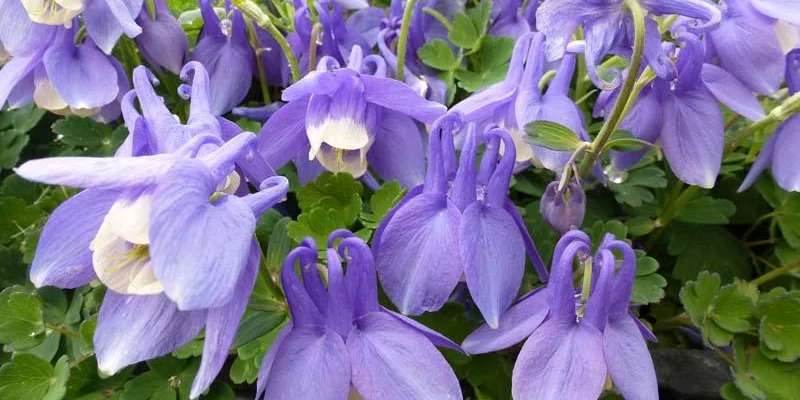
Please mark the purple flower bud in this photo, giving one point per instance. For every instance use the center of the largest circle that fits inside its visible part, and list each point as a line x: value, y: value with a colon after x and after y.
x: 563, y: 210
x: 162, y: 42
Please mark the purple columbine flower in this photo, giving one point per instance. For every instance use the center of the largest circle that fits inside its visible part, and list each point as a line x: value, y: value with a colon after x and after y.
x: 162, y: 42
x: 563, y: 209
x: 646, y: 118
x: 517, y: 101
x: 570, y: 349
x: 779, y: 9
x: 780, y: 151
x: 746, y: 44
x: 341, y: 341
x: 336, y: 39
x: 225, y: 52
x: 608, y: 28
x: 376, y: 26
x: 105, y: 20
x: 148, y: 226
x: 692, y: 133
x: 460, y: 222
x: 344, y: 118
x: 63, y: 77
x: 509, y: 19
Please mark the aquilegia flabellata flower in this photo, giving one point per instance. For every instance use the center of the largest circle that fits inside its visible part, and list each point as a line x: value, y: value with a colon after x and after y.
x: 344, y: 118
x: 517, y: 101
x: 341, y: 341
x: 780, y: 151
x: 571, y: 348
x: 458, y: 223
x: 105, y: 20
x: 563, y: 208
x: 162, y: 42
x: 160, y: 226
x: 608, y: 28
x: 225, y: 52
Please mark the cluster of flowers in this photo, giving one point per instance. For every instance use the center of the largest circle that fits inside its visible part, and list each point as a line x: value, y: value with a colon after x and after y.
x: 168, y: 223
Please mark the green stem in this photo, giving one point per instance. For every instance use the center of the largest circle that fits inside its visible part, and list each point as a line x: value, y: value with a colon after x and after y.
x: 262, y: 75
x: 587, y: 280
x: 251, y: 10
x: 151, y: 9
x: 775, y: 273
x: 402, y: 43
x: 64, y: 330
x: 546, y: 78
x: 778, y: 114
x: 439, y: 17
x: 625, y: 93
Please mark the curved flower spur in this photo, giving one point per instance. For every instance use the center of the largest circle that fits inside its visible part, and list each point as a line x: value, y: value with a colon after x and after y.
x: 459, y: 223
x: 571, y: 348
x: 340, y: 341
x: 148, y: 226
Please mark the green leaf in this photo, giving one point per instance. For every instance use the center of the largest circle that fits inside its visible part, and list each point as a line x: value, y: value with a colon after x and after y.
x: 96, y: 138
x: 16, y: 216
x: 463, y: 34
x: 551, y: 135
x: 437, y: 54
x: 256, y: 325
x: 147, y: 386
x: 22, y: 316
x: 696, y: 295
x: 479, y: 15
x: 648, y: 286
x: 496, y: 52
x: 636, y: 188
x: 22, y: 119
x: 318, y: 224
x: 279, y: 245
x: 12, y: 142
x: 381, y: 203
x: 692, y: 246
x: 640, y: 226
x: 707, y: 210
x: 760, y: 378
x: 731, y: 310
x: 333, y: 192
x: 28, y: 377
x: 788, y: 218
x: 474, y: 81
x: 779, y: 326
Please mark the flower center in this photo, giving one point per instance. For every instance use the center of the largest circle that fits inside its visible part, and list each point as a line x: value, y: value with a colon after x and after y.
x: 53, y: 12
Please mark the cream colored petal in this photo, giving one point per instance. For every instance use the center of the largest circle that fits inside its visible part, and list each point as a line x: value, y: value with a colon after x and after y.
x: 343, y: 134
x: 45, y: 96
x: 123, y: 267
x: 51, y: 12
x: 231, y: 184
x: 353, y: 162
x: 130, y: 219
x: 788, y: 35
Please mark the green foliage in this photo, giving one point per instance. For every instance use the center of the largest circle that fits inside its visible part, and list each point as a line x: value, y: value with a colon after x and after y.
x: 638, y: 187
x: 22, y: 323
x: 437, y: 54
x: 88, y: 136
x: 551, y: 135
x: 779, y: 326
x: 468, y: 28
x: 381, y: 203
x: 28, y: 377
x: 332, y: 201
x: 648, y: 287
x: 691, y: 247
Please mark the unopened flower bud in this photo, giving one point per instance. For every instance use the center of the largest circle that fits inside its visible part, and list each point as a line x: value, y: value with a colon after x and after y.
x: 563, y: 210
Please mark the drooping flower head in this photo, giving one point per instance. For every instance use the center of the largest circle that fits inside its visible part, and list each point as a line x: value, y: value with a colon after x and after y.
x: 563, y: 207
x: 335, y: 39
x: 458, y: 223
x: 518, y: 100
x: 163, y: 42
x: 380, y: 27
x: 224, y: 51
x: 608, y: 28
x: 148, y: 226
x: 571, y: 348
x: 344, y: 119
x: 684, y: 113
x: 340, y: 341
x: 63, y: 77
x: 780, y: 151
x: 105, y: 20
